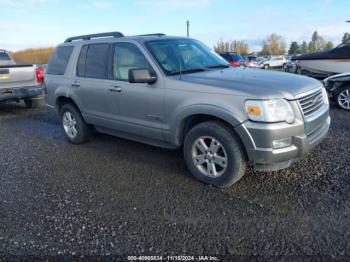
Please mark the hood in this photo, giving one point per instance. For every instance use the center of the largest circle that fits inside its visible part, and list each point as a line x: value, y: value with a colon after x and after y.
x: 257, y: 83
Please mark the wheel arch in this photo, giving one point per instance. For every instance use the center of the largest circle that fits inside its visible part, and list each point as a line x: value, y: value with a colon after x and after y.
x: 199, y: 114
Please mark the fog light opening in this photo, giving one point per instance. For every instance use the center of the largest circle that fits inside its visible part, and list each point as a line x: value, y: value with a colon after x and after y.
x: 281, y: 143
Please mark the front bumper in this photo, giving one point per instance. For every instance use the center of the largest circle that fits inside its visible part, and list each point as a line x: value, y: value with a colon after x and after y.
x: 17, y: 93
x: 305, y: 136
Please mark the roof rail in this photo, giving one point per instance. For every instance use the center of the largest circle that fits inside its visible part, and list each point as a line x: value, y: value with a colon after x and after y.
x: 156, y: 34
x: 88, y: 37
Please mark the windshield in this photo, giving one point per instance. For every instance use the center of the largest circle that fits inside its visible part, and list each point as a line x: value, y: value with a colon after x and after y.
x: 184, y: 56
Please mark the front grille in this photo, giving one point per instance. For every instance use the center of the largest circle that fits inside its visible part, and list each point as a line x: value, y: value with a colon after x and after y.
x: 311, y: 103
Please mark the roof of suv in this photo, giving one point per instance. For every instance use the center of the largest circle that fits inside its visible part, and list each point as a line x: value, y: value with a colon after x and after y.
x: 115, y: 36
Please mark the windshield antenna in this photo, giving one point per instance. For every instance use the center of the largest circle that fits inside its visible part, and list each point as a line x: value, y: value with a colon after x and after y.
x: 180, y: 69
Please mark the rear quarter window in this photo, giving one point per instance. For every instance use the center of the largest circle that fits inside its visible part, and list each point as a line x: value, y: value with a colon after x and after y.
x: 59, y: 60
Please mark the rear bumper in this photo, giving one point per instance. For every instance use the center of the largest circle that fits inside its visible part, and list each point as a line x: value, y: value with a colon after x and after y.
x: 16, y: 93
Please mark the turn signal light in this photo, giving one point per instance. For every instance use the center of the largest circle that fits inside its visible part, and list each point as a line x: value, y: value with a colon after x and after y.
x: 254, y: 110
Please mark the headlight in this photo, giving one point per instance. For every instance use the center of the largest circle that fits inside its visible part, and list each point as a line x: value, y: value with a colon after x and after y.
x: 325, y: 96
x: 270, y: 111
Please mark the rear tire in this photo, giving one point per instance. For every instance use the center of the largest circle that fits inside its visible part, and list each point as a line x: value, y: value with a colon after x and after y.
x: 342, y: 97
x: 74, y: 126
x: 32, y: 103
x: 221, y: 162
x: 266, y: 66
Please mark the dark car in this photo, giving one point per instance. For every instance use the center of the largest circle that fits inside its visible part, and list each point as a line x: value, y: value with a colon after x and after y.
x: 235, y: 59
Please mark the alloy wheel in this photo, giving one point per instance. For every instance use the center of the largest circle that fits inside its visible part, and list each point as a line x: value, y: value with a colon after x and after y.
x: 70, y: 125
x: 344, y: 99
x: 209, y: 156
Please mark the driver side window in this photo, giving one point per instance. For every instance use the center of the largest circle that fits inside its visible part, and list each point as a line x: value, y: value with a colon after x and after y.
x: 127, y: 56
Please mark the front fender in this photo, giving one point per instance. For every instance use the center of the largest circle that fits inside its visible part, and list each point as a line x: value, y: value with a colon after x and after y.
x: 178, y: 122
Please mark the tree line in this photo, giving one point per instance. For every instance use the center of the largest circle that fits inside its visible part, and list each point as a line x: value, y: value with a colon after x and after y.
x: 275, y: 45
x: 271, y: 45
x: 232, y: 46
x: 33, y: 56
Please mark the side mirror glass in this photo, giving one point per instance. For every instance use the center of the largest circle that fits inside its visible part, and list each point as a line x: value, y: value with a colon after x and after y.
x: 142, y: 75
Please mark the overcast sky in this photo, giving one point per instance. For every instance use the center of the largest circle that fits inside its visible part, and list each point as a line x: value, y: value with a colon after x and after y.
x: 41, y: 23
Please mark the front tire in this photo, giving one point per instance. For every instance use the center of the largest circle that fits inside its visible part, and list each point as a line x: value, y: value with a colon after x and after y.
x: 342, y: 96
x: 266, y: 66
x: 214, y: 154
x: 74, y: 126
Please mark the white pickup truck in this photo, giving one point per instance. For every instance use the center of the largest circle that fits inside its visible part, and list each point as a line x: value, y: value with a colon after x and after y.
x: 19, y: 82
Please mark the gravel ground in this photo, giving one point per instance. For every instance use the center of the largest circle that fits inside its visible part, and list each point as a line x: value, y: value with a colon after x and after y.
x: 115, y: 197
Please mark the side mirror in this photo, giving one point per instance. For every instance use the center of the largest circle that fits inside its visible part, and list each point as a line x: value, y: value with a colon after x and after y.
x: 142, y: 76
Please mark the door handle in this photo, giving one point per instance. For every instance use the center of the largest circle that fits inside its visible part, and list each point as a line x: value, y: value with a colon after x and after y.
x: 117, y: 89
x: 76, y: 84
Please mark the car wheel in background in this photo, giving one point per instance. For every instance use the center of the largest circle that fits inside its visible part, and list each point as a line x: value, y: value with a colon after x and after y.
x: 74, y: 126
x: 32, y: 103
x: 266, y: 66
x: 214, y: 154
x: 342, y: 96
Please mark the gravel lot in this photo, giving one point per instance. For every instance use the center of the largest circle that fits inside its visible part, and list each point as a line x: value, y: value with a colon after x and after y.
x: 115, y: 197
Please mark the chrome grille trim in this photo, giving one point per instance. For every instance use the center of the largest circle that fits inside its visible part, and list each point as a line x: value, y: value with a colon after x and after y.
x: 311, y: 102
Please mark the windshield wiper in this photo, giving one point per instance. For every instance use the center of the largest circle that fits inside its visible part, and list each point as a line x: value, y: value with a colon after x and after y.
x: 189, y: 71
x: 218, y: 66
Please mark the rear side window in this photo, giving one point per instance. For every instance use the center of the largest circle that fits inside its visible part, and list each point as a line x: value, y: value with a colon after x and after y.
x: 236, y: 57
x: 226, y: 57
x: 4, y: 56
x: 93, y: 61
x: 59, y: 60
x: 82, y: 61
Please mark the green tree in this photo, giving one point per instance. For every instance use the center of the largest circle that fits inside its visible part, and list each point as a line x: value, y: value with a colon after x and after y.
x: 317, y: 42
x: 294, y: 48
x: 346, y: 37
x: 328, y: 45
x: 304, y: 48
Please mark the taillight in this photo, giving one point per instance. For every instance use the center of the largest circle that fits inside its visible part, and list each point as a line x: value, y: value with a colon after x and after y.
x: 235, y: 63
x: 39, y: 75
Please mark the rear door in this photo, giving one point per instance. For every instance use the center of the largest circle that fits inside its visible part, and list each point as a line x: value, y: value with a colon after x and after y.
x: 92, y: 84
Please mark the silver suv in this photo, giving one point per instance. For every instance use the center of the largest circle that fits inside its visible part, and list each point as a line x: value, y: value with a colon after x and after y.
x: 175, y: 92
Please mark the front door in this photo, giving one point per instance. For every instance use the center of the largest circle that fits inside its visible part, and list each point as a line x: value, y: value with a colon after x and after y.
x: 140, y: 105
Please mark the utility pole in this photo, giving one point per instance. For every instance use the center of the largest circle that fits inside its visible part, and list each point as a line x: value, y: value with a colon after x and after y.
x: 188, y: 28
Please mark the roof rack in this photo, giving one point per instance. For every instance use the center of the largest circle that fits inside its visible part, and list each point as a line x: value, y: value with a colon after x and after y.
x: 89, y: 37
x: 156, y: 34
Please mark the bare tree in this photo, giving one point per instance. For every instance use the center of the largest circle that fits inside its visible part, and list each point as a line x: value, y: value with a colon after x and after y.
x: 273, y: 45
x: 232, y: 46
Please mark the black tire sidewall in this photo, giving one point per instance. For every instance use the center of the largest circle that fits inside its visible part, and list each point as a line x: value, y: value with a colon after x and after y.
x: 236, y: 160
x: 28, y: 103
x: 83, y: 130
